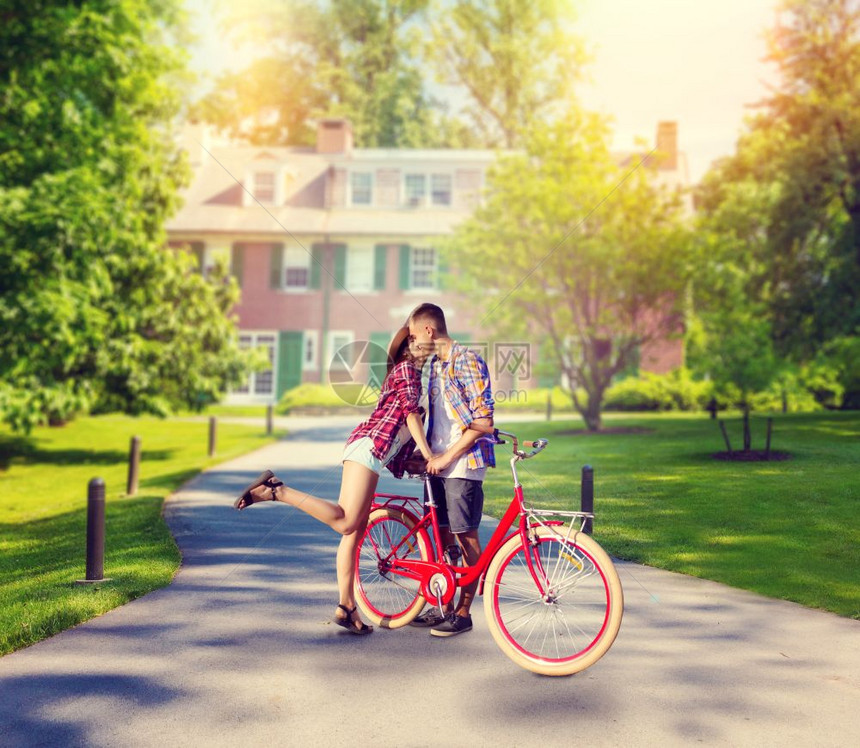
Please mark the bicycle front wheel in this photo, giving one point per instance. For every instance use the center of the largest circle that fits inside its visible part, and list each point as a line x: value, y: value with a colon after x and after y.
x: 571, y: 625
x: 386, y: 598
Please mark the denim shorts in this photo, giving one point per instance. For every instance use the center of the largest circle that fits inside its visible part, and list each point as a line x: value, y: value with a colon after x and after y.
x: 360, y: 451
x: 459, y: 502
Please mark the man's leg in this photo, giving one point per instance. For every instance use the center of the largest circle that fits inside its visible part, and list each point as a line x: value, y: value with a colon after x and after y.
x: 471, y: 547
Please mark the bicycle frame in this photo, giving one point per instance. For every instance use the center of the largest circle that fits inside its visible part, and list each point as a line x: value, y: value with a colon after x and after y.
x: 455, y: 576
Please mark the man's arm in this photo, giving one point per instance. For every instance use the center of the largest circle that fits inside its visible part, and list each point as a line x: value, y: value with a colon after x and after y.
x: 459, y: 448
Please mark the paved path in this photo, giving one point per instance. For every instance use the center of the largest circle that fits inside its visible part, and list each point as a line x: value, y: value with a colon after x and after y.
x: 239, y: 651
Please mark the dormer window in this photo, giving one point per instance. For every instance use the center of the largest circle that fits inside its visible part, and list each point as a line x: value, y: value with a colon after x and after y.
x: 415, y: 190
x: 264, y: 186
x: 440, y: 189
x: 361, y: 184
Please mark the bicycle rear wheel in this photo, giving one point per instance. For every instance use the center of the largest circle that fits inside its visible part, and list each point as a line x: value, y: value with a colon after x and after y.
x: 386, y: 598
x: 574, y: 624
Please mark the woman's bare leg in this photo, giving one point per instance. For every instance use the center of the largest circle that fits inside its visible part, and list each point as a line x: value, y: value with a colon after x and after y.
x: 356, y: 491
x: 348, y: 517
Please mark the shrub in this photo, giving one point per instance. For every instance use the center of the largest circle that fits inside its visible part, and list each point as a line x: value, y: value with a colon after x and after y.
x: 309, y: 395
x: 651, y: 392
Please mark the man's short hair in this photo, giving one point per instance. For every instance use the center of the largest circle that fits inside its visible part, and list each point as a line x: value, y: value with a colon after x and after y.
x: 432, y: 313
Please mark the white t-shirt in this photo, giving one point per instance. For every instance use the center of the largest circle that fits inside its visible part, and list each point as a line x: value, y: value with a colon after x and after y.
x: 447, y: 431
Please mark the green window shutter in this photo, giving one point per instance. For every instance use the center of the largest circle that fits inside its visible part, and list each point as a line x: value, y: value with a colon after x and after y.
x: 197, y: 250
x: 276, y: 277
x: 289, y: 361
x: 380, y: 256
x: 378, y: 358
x: 340, y: 267
x: 442, y: 270
x: 237, y: 261
x: 316, y: 265
x: 405, y: 270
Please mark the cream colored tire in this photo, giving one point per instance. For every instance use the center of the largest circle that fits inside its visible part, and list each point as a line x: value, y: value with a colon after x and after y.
x: 575, y: 624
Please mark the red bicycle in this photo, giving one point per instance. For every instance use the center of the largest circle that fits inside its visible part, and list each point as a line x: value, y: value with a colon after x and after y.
x: 552, y: 597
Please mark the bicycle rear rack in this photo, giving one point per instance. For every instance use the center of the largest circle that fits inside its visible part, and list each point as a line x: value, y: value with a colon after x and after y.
x: 544, y: 517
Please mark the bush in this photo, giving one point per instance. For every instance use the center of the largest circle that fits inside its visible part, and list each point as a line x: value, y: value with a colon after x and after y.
x: 651, y: 392
x: 309, y: 395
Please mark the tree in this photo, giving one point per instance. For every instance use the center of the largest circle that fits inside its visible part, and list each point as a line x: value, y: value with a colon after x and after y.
x: 93, y: 311
x: 346, y: 58
x: 802, y: 150
x: 516, y: 62
x: 593, y: 256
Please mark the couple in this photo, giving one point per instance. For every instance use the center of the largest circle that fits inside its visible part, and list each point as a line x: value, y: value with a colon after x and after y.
x: 459, y: 394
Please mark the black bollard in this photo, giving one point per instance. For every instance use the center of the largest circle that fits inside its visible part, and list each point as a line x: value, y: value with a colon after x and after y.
x: 213, y: 425
x: 133, y: 466
x: 586, y: 502
x: 95, y: 532
x: 269, y: 420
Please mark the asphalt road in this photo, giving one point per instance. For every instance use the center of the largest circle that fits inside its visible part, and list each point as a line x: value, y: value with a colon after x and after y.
x: 240, y: 650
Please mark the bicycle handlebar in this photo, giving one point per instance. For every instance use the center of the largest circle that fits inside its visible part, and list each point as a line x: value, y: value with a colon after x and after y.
x: 536, y: 446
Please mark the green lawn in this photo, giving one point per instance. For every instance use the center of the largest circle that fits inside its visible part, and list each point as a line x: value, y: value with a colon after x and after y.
x: 788, y: 530
x: 43, y: 488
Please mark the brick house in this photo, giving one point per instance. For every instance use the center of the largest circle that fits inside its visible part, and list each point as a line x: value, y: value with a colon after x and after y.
x: 334, y: 244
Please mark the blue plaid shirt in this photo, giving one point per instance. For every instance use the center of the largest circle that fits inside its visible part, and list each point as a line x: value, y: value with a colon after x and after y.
x: 467, y: 389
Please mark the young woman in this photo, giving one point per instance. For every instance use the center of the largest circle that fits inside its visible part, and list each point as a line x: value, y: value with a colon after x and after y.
x: 386, y: 439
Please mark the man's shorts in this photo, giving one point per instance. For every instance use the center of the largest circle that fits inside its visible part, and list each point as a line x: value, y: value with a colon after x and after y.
x: 459, y: 502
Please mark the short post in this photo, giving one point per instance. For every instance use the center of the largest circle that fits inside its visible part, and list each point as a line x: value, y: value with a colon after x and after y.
x: 133, y: 466
x: 586, y: 501
x: 213, y: 435
x: 767, y: 445
x: 549, y: 405
x: 95, y: 532
x: 725, y: 436
x: 269, y: 410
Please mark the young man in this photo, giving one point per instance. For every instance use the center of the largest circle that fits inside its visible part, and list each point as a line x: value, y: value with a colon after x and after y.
x: 459, y: 393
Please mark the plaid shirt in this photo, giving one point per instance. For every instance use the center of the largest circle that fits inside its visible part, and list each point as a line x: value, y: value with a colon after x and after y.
x: 467, y: 389
x: 400, y: 394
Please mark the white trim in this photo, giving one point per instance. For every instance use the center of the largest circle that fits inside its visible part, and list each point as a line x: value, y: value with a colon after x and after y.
x: 312, y: 365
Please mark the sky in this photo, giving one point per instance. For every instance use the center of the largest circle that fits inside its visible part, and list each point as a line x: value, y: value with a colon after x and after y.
x: 697, y: 62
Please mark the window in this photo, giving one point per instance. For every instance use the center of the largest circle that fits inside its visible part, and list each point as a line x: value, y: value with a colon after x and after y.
x: 337, y: 340
x: 309, y: 350
x: 259, y: 382
x: 362, y: 188
x: 297, y: 268
x: 264, y: 186
x: 415, y: 188
x: 213, y: 256
x: 359, y: 269
x: 440, y: 189
x: 423, y: 267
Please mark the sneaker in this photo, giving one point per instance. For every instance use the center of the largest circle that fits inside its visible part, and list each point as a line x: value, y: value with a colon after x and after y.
x: 453, y: 626
x: 430, y: 617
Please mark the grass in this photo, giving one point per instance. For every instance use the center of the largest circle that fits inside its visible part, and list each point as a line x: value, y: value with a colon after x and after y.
x: 43, y: 489
x: 788, y: 530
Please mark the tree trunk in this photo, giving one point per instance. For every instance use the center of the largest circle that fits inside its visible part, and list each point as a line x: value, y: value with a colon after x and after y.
x: 591, y: 413
x: 747, y: 437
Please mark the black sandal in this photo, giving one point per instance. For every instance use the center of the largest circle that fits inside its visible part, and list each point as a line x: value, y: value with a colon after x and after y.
x: 267, y: 478
x: 351, y: 625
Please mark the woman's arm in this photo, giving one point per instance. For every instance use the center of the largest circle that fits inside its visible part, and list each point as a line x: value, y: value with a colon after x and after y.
x: 416, y: 428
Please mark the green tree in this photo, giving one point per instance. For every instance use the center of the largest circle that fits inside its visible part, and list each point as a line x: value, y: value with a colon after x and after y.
x: 578, y: 251
x: 93, y: 310
x: 802, y: 152
x: 515, y: 62
x: 345, y: 58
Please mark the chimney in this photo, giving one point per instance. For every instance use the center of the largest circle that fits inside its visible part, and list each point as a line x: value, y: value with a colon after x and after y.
x: 667, y: 145
x: 334, y: 136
